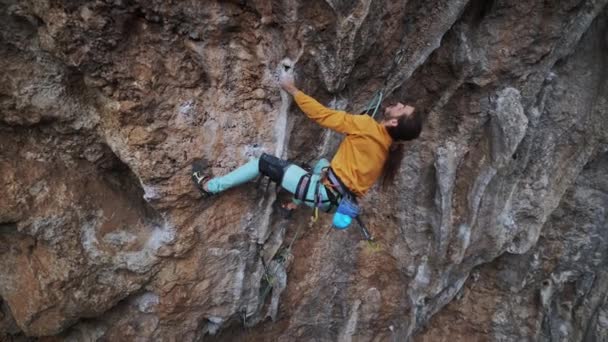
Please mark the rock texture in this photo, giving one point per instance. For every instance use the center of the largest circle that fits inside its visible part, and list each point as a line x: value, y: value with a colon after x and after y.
x: 496, y: 227
x: 556, y: 291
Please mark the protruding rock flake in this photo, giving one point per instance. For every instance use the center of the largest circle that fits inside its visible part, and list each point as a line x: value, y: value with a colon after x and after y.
x: 493, y: 229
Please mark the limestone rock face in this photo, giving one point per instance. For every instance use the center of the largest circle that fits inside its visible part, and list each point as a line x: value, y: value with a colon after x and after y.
x: 495, y: 229
x: 556, y: 291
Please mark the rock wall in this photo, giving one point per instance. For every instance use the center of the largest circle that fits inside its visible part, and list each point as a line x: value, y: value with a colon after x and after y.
x: 556, y: 291
x: 496, y: 224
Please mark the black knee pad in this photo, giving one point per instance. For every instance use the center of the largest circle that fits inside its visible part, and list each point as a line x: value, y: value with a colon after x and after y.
x: 273, y: 167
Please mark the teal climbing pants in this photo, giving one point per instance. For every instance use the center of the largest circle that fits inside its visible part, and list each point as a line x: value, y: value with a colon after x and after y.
x: 291, y: 177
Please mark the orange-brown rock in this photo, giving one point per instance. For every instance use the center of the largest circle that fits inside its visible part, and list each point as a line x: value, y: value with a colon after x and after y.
x: 493, y: 229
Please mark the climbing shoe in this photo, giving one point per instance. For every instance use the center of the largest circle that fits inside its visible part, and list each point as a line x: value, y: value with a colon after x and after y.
x: 201, y: 175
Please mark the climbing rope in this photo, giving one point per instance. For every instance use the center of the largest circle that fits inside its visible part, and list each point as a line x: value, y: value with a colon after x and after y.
x: 284, y: 254
x: 378, y: 97
x: 374, y: 104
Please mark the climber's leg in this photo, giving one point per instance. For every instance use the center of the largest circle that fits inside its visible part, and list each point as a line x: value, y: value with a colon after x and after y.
x: 241, y: 175
x: 267, y: 165
x: 280, y: 171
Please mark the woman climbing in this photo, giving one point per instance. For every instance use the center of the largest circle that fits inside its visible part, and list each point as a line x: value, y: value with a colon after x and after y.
x: 369, y: 150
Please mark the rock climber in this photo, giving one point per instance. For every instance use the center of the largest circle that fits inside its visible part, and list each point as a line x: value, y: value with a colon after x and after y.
x: 370, y: 150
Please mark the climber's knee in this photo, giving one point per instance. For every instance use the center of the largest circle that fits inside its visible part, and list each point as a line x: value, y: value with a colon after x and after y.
x: 273, y: 167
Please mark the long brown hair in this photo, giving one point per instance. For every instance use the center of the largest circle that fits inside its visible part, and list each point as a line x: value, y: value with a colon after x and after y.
x: 408, y: 128
x: 396, y: 153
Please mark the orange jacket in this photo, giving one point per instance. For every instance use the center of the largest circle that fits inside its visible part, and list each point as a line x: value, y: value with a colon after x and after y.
x: 360, y: 158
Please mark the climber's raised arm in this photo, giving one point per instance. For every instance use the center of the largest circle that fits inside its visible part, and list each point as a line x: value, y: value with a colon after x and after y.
x: 336, y: 120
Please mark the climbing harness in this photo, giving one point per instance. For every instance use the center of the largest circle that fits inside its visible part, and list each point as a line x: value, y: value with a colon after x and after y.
x: 302, y: 187
x: 297, y: 181
x: 302, y: 190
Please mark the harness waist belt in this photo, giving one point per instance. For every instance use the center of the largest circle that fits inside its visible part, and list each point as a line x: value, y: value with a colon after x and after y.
x: 336, y: 182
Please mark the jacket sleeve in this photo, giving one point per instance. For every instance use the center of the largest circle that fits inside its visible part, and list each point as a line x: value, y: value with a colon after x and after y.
x: 336, y: 120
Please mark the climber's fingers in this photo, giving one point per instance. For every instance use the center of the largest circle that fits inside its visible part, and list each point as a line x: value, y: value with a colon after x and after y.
x: 286, y: 78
